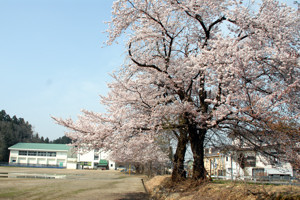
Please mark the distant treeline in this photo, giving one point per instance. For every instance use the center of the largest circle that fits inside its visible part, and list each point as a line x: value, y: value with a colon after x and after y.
x: 14, y: 130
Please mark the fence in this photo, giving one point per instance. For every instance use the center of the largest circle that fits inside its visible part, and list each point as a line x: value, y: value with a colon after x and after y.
x: 273, y: 179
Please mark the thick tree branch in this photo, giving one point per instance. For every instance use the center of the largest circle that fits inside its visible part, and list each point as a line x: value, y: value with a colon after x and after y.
x: 142, y: 64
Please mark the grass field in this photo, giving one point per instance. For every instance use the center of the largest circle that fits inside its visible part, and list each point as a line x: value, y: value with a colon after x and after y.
x: 68, y: 184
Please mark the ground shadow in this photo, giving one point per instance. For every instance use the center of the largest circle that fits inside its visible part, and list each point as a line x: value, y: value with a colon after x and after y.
x: 135, y: 196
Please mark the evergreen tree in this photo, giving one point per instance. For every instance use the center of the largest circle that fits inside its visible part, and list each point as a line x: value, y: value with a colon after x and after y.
x: 62, y: 140
x: 12, y: 131
x: 47, y: 140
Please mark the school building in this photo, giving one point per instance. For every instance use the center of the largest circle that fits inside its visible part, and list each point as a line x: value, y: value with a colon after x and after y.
x: 58, y: 155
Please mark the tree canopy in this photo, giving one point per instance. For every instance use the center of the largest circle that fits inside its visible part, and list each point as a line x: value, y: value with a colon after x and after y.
x: 200, y: 71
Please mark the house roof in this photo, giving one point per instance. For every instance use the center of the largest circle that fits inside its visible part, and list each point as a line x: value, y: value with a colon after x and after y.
x: 40, y: 146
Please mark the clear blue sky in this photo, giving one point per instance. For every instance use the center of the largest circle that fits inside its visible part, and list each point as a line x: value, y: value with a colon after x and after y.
x: 53, y: 61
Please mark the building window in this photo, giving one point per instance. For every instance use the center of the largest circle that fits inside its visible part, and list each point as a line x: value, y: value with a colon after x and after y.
x: 22, y: 153
x: 32, y: 153
x: 96, y: 157
x: 230, y: 171
x: 85, y: 163
x: 226, y: 158
x: 251, y: 161
x: 41, y: 153
x: 51, y: 154
x: 258, y: 172
x: 37, y: 153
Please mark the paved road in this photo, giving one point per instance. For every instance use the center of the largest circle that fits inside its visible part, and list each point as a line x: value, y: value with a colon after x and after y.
x: 69, y: 184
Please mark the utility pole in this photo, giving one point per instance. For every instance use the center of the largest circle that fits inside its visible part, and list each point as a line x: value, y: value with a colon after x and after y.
x: 231, y: 166
x: 129, y: 169
x: 210, y: 167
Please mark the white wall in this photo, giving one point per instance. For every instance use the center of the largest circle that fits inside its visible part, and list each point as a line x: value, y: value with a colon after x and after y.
x: 41, y: 161
x: 14, y: 153
x: 72, y: 163
x: 280, y: 168
x: 84, y: 156
x: 237, y: 171
x: 61, y: 157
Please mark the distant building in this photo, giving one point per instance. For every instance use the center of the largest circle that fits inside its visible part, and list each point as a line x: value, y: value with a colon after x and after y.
x: 243, y: 163
x: 42, y: 154
x: 58, y: 155
x: 214, y: 162
x: 95, y: 159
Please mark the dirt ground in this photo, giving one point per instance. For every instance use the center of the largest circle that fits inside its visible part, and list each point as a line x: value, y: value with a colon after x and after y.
x: 69, y: 184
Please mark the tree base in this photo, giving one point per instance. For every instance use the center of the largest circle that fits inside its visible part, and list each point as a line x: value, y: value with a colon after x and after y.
x: 184, y: 185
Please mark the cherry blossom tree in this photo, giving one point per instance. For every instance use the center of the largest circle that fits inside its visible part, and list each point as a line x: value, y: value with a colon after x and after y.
x: 199, y: 70
x: 125, y: 131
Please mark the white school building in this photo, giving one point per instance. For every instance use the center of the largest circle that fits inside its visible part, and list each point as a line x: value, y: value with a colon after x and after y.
x: 58, y: 155
x: 42, y: 154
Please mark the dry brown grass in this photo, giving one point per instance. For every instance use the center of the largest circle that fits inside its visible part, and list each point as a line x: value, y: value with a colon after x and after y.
x: 78, y: 184
x: 155, y: 181
x: 161, y: 187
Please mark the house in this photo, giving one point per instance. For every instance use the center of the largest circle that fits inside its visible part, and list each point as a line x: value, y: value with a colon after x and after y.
x: 188, y: 167
x: 243, y: 163
x: 214, y: 162
x: 43, y: 155
x: 93, y: 159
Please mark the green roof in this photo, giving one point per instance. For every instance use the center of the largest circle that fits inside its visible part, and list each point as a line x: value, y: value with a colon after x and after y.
x: 40, y: 146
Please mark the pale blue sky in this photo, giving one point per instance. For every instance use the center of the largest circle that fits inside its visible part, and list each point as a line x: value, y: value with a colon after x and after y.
x: 53, y: 60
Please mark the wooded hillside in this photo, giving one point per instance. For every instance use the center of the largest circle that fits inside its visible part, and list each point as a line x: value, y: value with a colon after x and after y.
x: 12, y: 131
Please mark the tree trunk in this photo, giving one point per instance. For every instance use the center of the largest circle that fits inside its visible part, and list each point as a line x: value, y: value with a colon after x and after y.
x: 178, y: 173
x: 197, y: 145
x: 150, y: 169
x: 138, y: 168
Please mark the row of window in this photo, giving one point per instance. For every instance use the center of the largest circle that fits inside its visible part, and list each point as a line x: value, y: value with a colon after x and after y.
x: 37, y: 153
